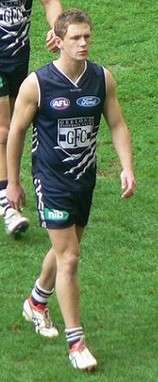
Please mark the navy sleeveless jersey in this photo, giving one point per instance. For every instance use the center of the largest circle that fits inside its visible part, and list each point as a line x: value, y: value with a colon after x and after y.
x: 66, y: 126
x: 15, y: 17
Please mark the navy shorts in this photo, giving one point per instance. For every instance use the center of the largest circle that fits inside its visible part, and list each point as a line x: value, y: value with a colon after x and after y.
x: 11, y: 77
x: 59, y: 209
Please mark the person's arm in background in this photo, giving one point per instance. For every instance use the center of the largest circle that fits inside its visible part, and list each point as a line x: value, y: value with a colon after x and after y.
x: 120, y: 136
x: 53, y: 9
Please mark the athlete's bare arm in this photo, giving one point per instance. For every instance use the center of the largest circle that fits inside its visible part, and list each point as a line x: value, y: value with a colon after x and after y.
x: 120, y: 135
x: 25, y: 108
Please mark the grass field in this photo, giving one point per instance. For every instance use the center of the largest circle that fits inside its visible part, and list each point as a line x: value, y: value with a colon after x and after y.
x: 119, y: 266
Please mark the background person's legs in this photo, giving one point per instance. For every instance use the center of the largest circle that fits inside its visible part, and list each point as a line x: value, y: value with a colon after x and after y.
x: 13, y: 220
x: 4, y: 128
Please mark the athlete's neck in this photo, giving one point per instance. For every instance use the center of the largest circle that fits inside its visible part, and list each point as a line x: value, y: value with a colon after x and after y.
x: 72, y: 70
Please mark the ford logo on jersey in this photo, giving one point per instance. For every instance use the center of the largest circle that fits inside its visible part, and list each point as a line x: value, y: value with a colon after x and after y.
x: 88, y: 101
x: 60, y: 103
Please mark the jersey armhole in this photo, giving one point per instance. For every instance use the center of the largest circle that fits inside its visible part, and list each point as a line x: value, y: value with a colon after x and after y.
x: 105, y: 78
x: 39, y: 90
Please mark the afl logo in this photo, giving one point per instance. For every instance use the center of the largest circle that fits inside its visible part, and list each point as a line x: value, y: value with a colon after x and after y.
x: 60, y: 103
x: 88, y: 101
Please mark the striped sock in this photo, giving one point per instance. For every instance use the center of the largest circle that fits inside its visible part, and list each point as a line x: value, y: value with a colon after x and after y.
x: 74, y: 335
x: 3, y: 199
x: 40, y: 295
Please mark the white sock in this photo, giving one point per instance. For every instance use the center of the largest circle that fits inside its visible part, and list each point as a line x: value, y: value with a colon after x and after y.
x: 40, y: 295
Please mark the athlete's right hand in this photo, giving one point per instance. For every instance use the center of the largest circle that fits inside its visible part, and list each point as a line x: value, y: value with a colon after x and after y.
x: 15, y: 195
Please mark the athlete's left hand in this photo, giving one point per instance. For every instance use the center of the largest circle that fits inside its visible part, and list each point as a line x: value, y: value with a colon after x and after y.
x: 51, y: 41
x: 128, y: 183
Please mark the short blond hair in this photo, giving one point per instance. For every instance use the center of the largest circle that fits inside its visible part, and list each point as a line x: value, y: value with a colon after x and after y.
x: 71, y: 16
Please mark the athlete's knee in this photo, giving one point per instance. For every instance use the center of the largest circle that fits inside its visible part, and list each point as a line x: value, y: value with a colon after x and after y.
x: 4, y: 135
x: 68, y: 262
x: 71, y: 263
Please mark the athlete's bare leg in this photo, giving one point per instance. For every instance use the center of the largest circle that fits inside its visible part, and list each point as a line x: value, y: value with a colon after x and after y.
x: 60, y: 270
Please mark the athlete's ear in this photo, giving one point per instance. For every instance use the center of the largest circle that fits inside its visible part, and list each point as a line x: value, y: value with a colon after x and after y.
x: 58, y: 42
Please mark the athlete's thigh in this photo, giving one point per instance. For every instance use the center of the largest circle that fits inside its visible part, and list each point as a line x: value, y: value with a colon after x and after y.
x: 12, y: 103
x: 79, y: 232
x: 64, y: 240
x: 4, y: 113
x: 4, y: 102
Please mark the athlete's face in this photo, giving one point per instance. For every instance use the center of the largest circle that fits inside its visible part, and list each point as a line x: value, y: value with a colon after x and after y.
x: 76, y: 41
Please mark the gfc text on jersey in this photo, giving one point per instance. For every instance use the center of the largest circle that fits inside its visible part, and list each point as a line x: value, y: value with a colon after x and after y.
x: 12, y: 12
x: 75, y: 132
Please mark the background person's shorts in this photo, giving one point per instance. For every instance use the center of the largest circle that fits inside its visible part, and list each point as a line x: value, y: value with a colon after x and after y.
x: 61, y: 209
x: 11, y: 77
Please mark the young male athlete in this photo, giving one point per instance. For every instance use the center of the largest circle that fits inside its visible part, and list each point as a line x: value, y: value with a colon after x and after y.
x: 65, y: 100
x: 15, y: 18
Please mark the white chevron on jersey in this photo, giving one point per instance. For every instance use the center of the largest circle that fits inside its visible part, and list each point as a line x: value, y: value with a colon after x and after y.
x: 84, y: 160
x: 35, y: 142
x: 84, y: 153
x: 71, y: 157
x: 93, y: 160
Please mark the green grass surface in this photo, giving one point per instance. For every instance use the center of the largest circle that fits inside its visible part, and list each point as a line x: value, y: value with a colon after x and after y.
x: 118, y: 269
